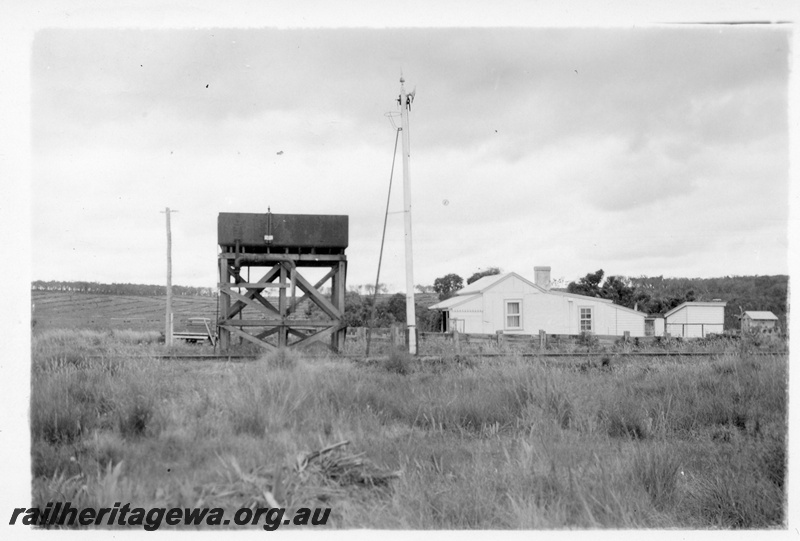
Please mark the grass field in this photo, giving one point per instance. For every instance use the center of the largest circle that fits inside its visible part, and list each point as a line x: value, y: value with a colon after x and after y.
x: 60, y: 310
x: 501, y: 443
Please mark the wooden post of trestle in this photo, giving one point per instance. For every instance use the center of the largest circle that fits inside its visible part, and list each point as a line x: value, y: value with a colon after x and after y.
x: 338, y: 281
x: 224, y: 303
x: 335, y: 303
x: 282, y: 333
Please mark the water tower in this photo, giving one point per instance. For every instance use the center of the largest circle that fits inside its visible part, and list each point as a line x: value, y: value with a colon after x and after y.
x: 279, y: 248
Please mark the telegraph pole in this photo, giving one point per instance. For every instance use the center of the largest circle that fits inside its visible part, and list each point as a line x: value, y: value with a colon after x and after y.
x: 411, y: 319
x: 168, y: 319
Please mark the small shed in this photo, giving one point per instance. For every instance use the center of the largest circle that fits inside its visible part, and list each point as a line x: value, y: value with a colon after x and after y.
x: 654, y: 325
x: 758, y: 321
x: 514, y: 305
x: 695, y: 319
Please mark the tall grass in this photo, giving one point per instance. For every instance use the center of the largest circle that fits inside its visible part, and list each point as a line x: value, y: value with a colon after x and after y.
x: 506, y: 443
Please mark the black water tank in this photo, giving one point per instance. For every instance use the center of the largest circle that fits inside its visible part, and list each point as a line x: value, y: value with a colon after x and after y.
x: 282, y: 230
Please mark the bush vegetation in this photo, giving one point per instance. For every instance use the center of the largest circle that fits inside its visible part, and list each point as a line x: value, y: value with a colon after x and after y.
x: 494, y: 443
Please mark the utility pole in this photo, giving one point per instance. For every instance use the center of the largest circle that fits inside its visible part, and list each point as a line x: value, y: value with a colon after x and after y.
x: 411, y: 319
x: 168, y: 318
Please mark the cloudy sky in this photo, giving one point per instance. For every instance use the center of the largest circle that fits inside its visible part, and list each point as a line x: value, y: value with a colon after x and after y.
x: 654, y: 150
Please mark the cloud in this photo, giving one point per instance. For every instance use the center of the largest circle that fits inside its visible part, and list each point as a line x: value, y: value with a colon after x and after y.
x: 567, y: 147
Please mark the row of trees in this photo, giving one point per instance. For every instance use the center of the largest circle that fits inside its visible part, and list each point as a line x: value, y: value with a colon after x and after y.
x: 359, y: 312
x: 658, y: 295
x: 145, y: 290
x: 621, y: 290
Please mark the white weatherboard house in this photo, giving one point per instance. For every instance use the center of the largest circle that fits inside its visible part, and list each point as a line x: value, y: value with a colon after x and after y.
x: 511, y: 304
x: 695, y: 319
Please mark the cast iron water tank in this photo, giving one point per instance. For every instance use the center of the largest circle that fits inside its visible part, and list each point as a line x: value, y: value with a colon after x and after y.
x: 263, y: 232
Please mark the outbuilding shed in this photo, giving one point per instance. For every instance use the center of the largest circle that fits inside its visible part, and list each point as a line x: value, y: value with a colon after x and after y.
x: 514, y: 305
x: 695, y: 319
x: 654, y: 325
x: 759, y: 321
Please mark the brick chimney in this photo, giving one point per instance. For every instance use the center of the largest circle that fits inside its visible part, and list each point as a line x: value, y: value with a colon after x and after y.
x: 542, y: 277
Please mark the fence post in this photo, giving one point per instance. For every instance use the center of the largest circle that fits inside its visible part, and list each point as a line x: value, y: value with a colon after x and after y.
x: 542, y: 340
x: 626, y: 336
x: 500, y: 341
x: 456, y: 344
x: 396, y: 340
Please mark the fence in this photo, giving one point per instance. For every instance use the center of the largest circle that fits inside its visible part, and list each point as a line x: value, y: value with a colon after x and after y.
x: 382, y: 340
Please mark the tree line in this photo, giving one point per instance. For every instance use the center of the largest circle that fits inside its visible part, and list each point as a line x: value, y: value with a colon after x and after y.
x: 359, y: 312
x: 143, y: 290
x: 659, y: 295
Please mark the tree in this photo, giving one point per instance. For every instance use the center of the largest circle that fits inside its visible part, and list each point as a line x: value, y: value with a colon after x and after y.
x: 428, y: 320
x: 589, y: 285
x: 446, y: 286
x: 370, y: 288
x: 619, y: 291
x: 491, y: 271
x: 396, y: 307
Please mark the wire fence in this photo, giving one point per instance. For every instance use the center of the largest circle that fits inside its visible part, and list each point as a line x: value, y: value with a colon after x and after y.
x: 385, y: 340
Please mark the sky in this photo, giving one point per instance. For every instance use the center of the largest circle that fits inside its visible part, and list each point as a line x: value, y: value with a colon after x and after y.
x: 654, y: 150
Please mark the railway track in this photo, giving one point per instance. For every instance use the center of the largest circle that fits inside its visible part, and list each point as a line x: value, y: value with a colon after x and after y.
x: 356, y: 356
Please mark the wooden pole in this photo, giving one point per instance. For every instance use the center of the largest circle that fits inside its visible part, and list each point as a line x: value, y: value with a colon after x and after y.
x: 168, y: 317
x: 411, y: 323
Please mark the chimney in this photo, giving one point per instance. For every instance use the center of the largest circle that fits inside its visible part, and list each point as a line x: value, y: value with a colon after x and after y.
x: 542, y: 277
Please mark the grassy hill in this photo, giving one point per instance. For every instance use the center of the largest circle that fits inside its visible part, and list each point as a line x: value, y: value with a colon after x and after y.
x: 74, y: 310
x: 61, y: 310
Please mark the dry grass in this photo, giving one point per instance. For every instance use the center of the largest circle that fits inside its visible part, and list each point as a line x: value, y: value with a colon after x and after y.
x: 501, y: 443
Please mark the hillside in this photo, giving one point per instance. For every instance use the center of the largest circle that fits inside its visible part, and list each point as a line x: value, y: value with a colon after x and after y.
x: 740, y: 292
x: 60, y: 310
x: 75, y: 310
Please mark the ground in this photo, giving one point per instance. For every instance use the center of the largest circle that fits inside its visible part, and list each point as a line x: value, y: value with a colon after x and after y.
x: 447, y: 443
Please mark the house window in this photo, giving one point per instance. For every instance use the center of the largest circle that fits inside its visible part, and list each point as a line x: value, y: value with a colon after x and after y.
x: 513, y: 314
x: 586, y: 320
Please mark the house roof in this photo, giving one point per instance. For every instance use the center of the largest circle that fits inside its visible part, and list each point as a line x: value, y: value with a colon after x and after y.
x: 452, y: 302
x: 695, y: 303
x: 596, y: 299
x: 760, y: 315
x: 481, y: 285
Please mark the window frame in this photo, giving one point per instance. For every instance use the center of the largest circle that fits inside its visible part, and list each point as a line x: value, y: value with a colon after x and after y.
x: 507, y: 314
x: 590, y: 319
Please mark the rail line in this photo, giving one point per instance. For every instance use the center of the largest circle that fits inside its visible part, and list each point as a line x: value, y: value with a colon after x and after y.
x: 357, y: 356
